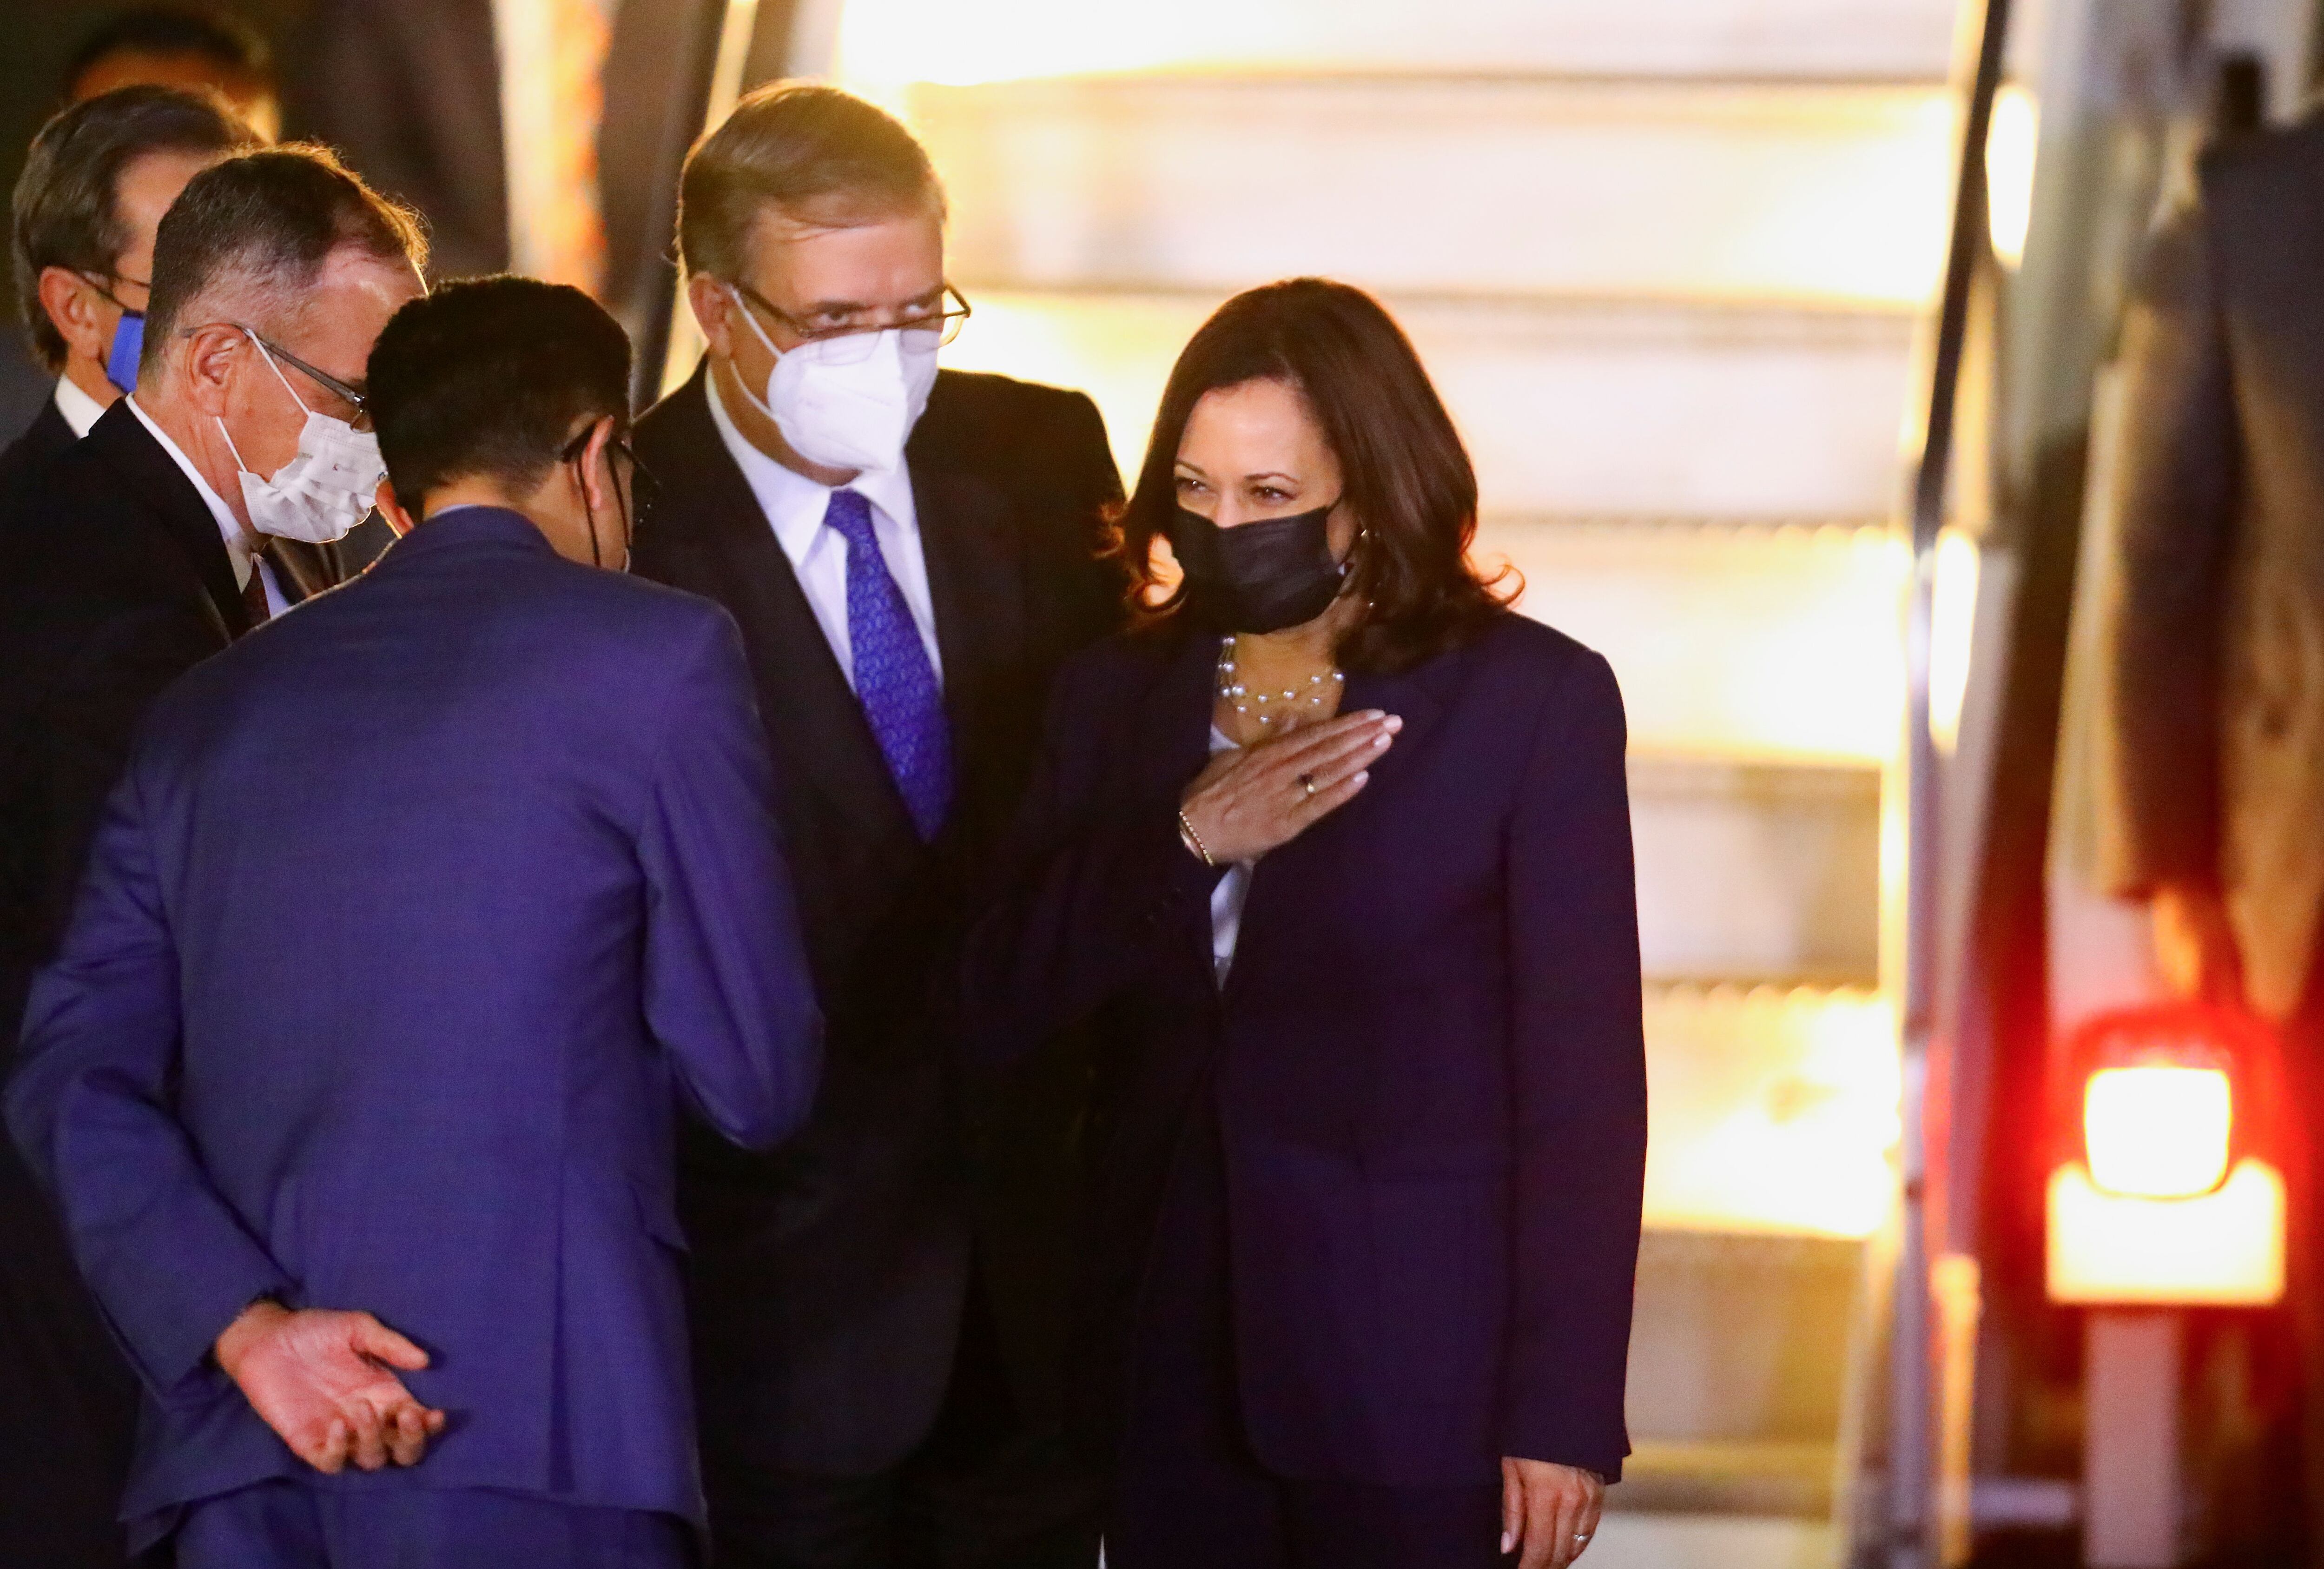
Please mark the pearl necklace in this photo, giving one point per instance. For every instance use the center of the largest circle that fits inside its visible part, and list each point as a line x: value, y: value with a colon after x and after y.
x: 1243, y: 698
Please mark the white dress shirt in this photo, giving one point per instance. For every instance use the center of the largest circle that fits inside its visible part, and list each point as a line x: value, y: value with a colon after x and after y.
x: 794, y: 506
x: 229, y: 527
x: 81, y: 410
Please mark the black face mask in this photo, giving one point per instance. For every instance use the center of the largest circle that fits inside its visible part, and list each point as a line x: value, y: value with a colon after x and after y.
x: 1258, y: 577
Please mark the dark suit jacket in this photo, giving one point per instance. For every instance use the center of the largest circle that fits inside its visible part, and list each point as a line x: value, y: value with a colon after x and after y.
x: 829, y: 1276
x: 432, y: 1078
x: 113, y: 583
x: 2215, y: 642
x: 1425, y: 1063
x: 67, y: 1400
x: 48, y: 437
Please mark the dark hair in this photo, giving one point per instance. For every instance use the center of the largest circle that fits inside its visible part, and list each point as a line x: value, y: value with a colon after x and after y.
x: 813, y: 149
x: 275, y: 215
x: 67, y: 211
x: 224, y: 39
x: 486, y: 378
x: 1406, y: 475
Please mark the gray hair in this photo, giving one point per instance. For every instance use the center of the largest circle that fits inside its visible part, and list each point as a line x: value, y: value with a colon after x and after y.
x: 800, y: 147
x: 267, y: 221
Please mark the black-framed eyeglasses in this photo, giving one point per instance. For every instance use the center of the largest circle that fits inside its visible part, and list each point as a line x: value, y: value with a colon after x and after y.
x: 97, y: 278
x: 359, y: 401
x: 946, y: 321
x: 644, y: 488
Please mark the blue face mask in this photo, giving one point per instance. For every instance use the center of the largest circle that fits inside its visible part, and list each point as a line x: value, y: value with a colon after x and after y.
x: 128, y: 346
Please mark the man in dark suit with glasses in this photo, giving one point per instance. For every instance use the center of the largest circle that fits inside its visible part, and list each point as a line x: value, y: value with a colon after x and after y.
x: 879, y: 1308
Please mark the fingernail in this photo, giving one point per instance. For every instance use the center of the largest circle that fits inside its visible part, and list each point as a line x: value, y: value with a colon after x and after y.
x: 1508, y: 1541
x: 1363, y: 776
x: 1395, y: 723
x: 1383, y: 738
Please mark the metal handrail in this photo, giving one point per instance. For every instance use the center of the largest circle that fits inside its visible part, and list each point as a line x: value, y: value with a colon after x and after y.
x: 1911, y: 1516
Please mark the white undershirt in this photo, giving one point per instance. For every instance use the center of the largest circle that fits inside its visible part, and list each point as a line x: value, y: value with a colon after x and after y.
x: 229, y: 527
x: 81, y: 410
x: 794, y: 506
x: 1227, y: 898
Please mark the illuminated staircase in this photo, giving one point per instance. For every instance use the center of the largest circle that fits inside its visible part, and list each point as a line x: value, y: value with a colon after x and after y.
x: 1665, y: 258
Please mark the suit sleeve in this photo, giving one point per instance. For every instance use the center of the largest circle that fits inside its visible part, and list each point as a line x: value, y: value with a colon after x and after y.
x: 1579, y: 1072
x: 89, y: 1105
x: 727, y: 985
x: 116, y: 655
x: 2175, y: 500
x: 1091, y: 876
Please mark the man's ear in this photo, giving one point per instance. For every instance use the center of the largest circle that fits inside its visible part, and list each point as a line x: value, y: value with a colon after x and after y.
x: 598, y: 486
x: 81, y: 316
x: 210, y: 357
x: 391, y: 509
x: 713, y: 307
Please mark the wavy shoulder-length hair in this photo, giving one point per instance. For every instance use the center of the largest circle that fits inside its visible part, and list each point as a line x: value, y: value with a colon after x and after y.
x: 1405, y: 476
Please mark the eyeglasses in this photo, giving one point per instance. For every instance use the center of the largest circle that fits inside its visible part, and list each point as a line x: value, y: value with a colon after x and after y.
x: 946, y: 321
x: 323, y: 379
x: 360, y: 403
x: 92, y: 277
x: 644, y: 488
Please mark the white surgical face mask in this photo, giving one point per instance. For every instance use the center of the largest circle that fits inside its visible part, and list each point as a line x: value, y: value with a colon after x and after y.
x: 851, y: 401
x: 326, y: 489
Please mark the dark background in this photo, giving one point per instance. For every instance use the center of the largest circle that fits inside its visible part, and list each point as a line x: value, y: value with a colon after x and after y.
x: 36, y: 37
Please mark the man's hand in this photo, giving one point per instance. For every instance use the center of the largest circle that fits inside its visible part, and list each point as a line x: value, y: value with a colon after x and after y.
x: 1549, y: 1512
x: 320, y: 1379
x: 2195, y: 945
x: 1248, y: 801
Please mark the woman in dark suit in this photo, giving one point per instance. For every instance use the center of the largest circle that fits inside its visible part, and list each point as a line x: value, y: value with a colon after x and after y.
x: 1334, y: 850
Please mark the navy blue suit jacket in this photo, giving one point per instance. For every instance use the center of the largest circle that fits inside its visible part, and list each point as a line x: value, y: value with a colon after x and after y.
x: 1426, y: 1061
x: 431, y: 1076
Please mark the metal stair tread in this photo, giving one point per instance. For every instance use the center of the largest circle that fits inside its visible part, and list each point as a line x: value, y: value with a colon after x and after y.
x: 899, y: 40
x: 1570, y: 182
x: 1795, y: 1479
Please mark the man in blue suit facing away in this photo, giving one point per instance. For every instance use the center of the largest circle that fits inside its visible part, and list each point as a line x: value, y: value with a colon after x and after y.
x: 412, y: 920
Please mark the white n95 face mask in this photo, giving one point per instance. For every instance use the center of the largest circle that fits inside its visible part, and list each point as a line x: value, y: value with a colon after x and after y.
x: 326, y: 489
x: 851, y: 401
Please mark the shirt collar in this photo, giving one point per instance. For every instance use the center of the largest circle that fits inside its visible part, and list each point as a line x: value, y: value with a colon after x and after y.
x: 237, y: 543
x: 81, y: 410
x: 794, y: 503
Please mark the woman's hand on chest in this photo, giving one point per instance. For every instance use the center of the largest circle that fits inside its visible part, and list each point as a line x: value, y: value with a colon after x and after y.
x: 1251, y: 800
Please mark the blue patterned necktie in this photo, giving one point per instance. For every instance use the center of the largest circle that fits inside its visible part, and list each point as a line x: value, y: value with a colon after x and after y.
x: 894, y: 679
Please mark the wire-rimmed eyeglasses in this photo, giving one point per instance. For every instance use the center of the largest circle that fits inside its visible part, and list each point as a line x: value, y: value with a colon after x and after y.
x: 952, y: 312
x: 358, y: 401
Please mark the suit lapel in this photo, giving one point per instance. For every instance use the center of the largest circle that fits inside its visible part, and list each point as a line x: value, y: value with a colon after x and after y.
x: 1173, y: 742
x: 1173, y: 723
x: 302, y: 570
x: 1418, y: 697
x: 153, y: 476
x: 821, y: 735
x: 977, y: 592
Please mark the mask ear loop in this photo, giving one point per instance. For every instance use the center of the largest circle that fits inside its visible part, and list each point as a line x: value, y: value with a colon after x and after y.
x: 581, y: 477
x: 259, y: 344
x: 219, y: 419
x: 744, y: 311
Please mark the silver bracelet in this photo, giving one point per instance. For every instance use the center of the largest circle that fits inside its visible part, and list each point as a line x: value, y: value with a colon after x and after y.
x: 1194, y: 840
